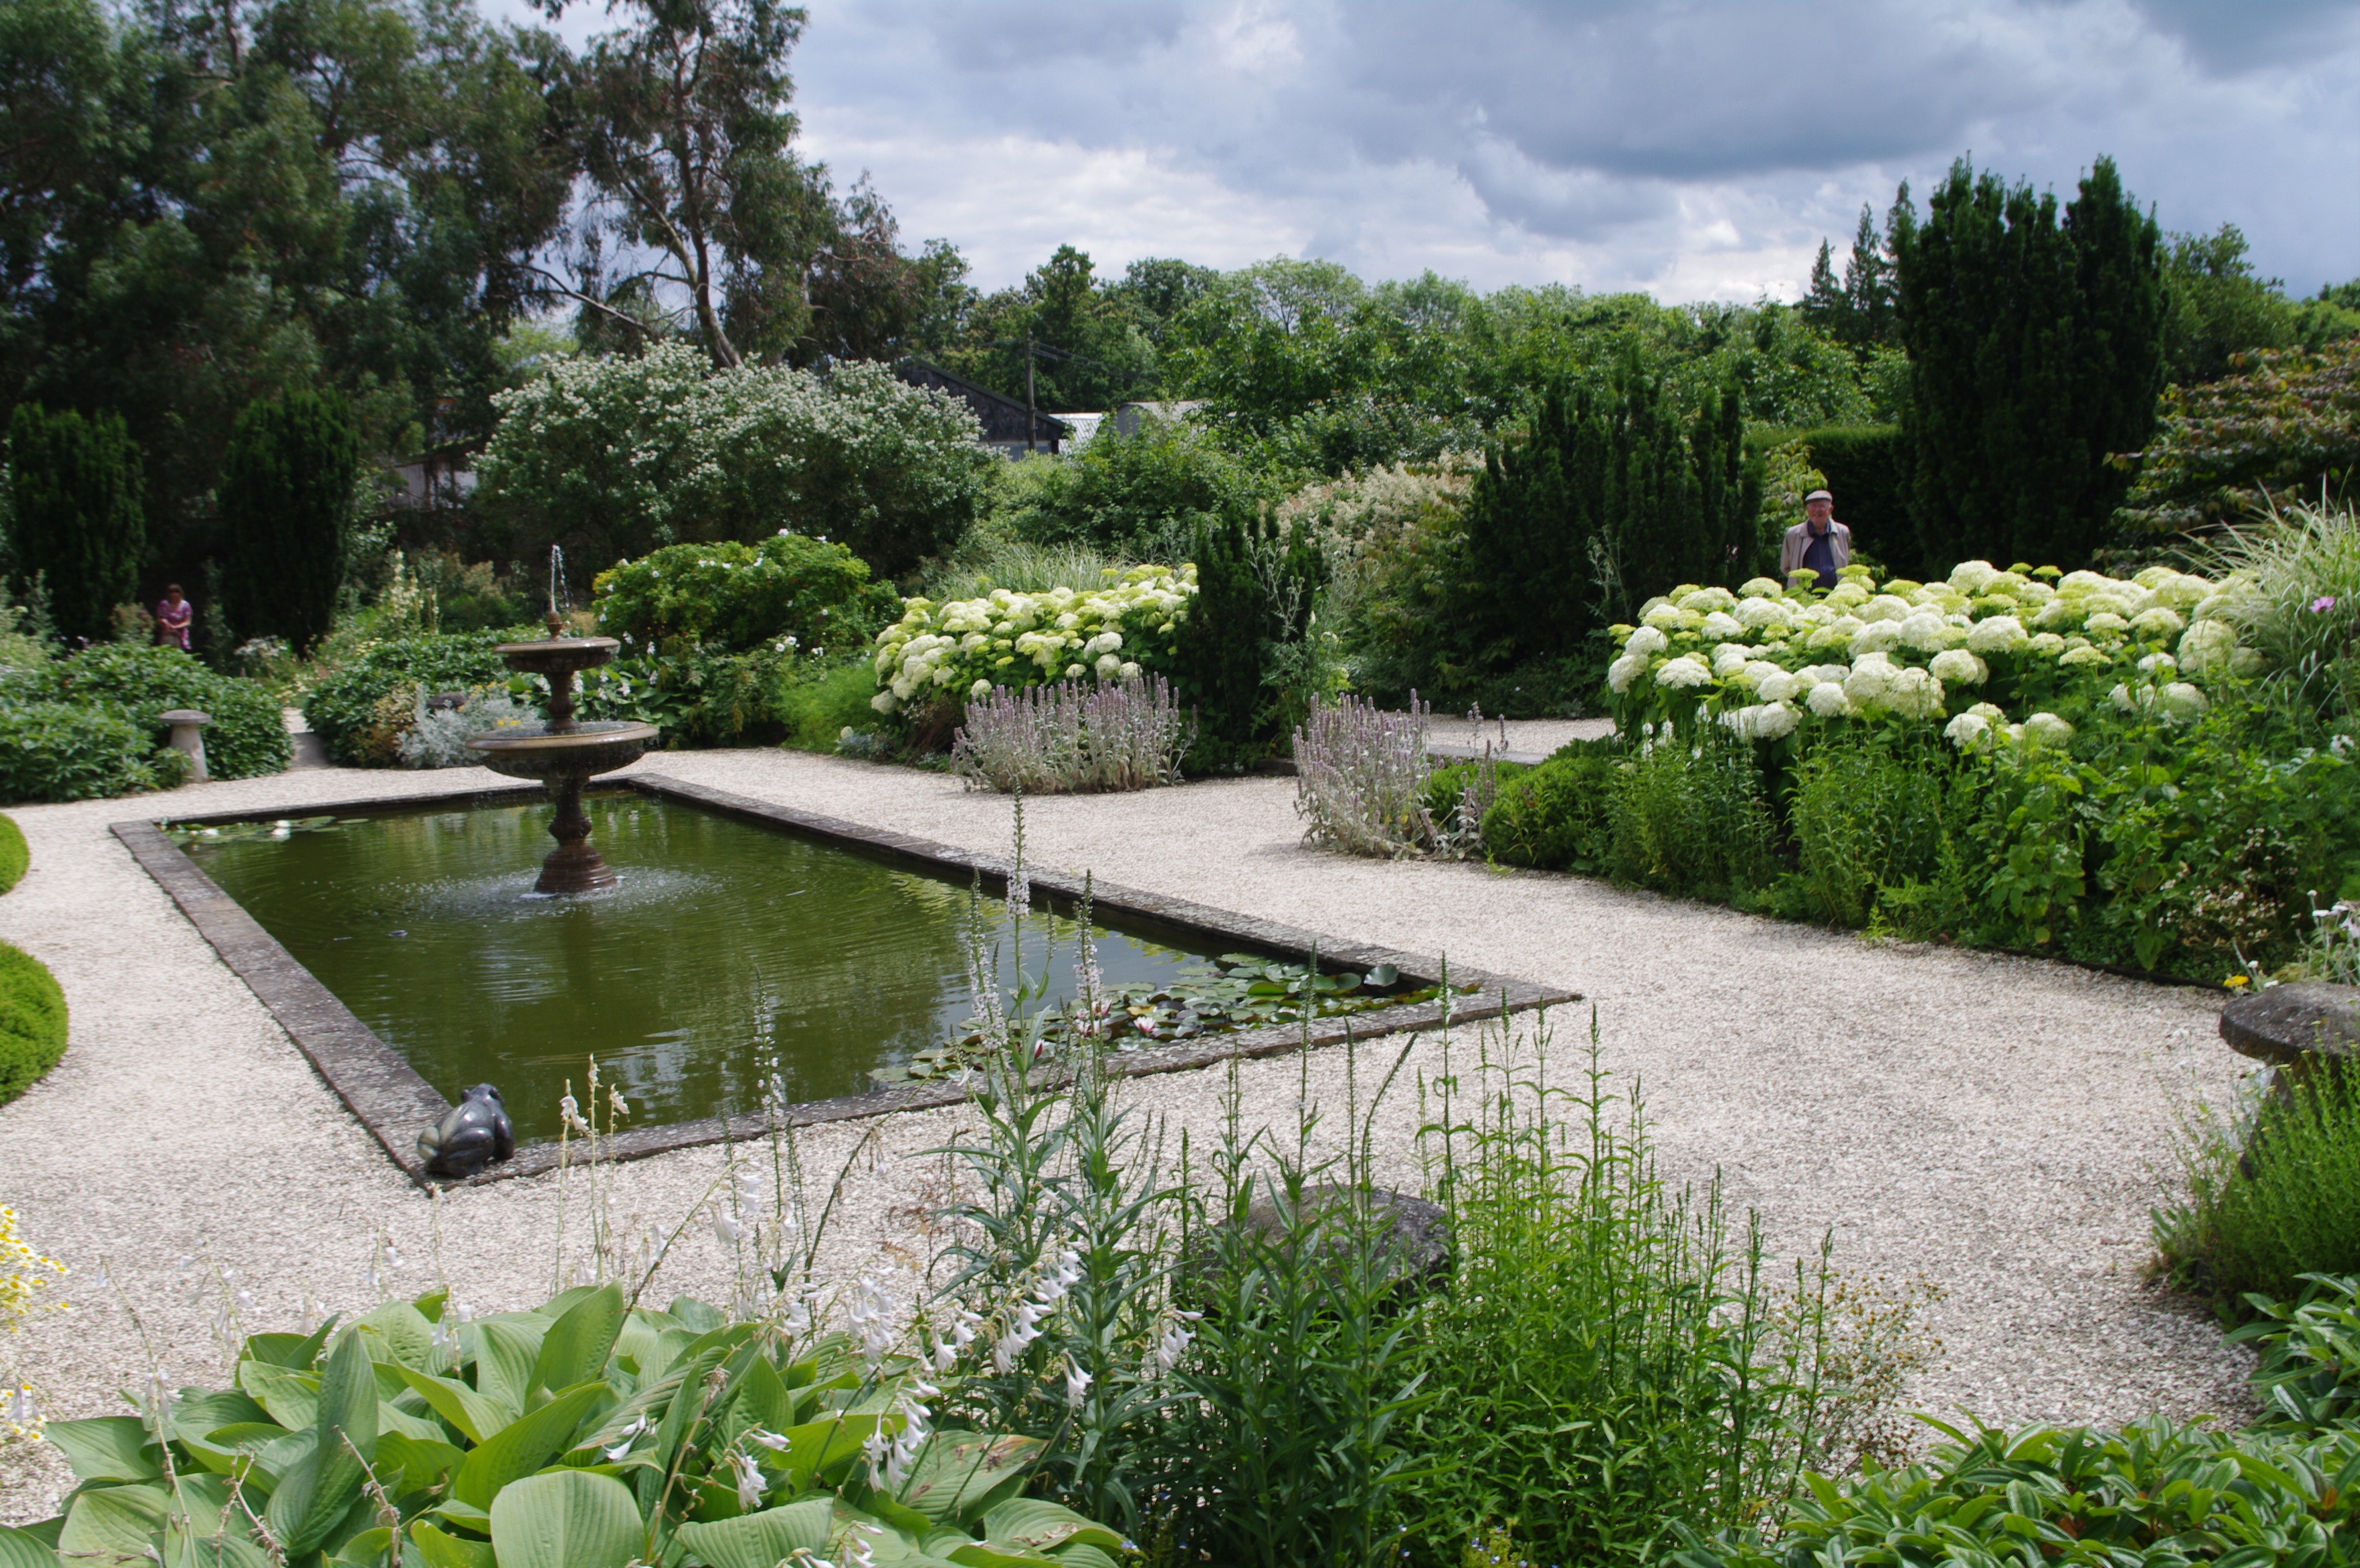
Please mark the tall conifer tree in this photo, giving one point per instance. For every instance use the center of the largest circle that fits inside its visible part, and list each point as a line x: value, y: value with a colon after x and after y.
x: 77, y: 524
x: 2036, y: 348
x: 286, y: 500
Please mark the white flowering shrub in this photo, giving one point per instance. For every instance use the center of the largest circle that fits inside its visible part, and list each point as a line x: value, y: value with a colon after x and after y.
x: 964, y: 648
x: 1766, y: 662
x: 621, y: 456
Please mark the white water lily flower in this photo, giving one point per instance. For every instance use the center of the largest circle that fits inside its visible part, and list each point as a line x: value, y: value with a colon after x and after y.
x: 1720, y: 626
x: 1685, y: 672
x: 1967, y: 732
x: 1828, y: 700
x: 1778, y: 688
x: 1648, y: 640
x: 1623, y: 671
x: 2047, y: 729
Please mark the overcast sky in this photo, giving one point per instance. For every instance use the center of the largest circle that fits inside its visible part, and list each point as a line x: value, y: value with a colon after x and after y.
x: 1692, y: 149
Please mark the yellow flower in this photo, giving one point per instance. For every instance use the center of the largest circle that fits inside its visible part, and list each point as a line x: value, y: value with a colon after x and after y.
x: 2234, y: 982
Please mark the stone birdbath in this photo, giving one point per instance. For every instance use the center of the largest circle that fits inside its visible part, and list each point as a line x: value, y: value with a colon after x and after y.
x: 187, y: 737
x: 563, y: 753
x: 2296, y: 1029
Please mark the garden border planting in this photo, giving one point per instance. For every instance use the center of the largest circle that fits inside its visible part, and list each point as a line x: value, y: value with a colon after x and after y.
x: 394, y: 1103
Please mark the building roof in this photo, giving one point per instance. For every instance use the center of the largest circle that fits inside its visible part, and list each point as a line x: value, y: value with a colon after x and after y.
x: 1003, y: 418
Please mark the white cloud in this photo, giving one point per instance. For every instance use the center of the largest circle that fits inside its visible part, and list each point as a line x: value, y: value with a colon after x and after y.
x: 1693, y: 148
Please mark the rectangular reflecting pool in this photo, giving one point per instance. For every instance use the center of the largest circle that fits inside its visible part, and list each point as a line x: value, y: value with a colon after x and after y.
x: 728, y: 951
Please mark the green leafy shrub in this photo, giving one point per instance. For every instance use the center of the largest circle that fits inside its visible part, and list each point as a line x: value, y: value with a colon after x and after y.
x: 72, y: 750
x: 731, y: 598
x: 1146, y: 494
x: 75, y: 524
x: 1555, y: 817
x: 2152, y: 1495
x: 2309, y: 1370
x: 32, y: 1022
x: 286, y: 498
x: 1871, y: 810
x: 1692, y: 817
x: 247, y: 738
x: 615, y: 456
x: 1867, y: 469
x: 2286, y: 426
x: 816, y: 709
x: 2273, y: 1192
x: 587, y: 1433
x: 15, y: 857
x: 345, y: 709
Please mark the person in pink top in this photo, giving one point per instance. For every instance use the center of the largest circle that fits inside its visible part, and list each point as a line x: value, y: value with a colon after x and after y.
x: 174, y: 616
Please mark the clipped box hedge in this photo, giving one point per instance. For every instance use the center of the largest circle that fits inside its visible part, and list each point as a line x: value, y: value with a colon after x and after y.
x: 32, y: 1021
x: 13, y: 856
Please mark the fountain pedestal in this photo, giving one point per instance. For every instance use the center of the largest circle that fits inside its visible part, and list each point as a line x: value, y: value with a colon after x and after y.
x: 563, y: 753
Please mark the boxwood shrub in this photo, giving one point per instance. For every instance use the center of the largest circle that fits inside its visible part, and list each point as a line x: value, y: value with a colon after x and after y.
x: 32, y: 1021
x: 730, y: 597
x: 13, y: 856
x: 246, y: 739
x: 342, y: 710
x: 1555, y: 817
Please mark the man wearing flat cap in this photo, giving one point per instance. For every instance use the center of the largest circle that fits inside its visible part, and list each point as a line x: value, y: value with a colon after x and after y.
x: 1817, y: 547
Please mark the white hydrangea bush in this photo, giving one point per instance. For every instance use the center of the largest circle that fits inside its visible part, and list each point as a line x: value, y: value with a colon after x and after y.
x: 1767, y: 660
x: 963, y: 648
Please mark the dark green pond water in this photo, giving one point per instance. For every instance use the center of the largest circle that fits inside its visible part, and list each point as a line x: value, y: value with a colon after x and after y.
x: 727, y: 947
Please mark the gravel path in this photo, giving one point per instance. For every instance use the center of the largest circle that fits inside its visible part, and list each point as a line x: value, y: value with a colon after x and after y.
x: 1995, y: 1127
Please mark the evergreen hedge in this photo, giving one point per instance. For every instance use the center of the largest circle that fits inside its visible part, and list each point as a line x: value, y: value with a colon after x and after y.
x: 286, y: 498
x: 32, y: 1022
x: 15, y: 857
x: 76, y: 523
x: 1254, y: 593
x: 1868, y: 470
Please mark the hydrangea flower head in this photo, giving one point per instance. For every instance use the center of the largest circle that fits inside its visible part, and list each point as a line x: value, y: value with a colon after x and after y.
x: 1648, y: 640
x: 1828, y: 700
x: 1760, y: 588
x: 1967, y: 732
x: 1955, y: 666
x: 1705, y: 601
x: 2047, y: 729
x: 1685, y: 672
x: 2180, y: 700
x: 1775, y: 721
x: 2208, y: 645
x: 2085, y: 657
x: 1780, y: 688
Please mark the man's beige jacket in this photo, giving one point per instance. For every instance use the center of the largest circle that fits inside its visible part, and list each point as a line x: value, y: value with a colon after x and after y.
x: 1798, y: 539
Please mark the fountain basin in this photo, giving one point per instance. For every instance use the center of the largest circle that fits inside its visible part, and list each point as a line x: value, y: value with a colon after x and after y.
x: 555, y: 655
x: 584, y: 752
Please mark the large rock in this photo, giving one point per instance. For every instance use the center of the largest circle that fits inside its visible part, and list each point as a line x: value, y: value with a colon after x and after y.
x: 2294, y: 1025
x: 1414, y: 1239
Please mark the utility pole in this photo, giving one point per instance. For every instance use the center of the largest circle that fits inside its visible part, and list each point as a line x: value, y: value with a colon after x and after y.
x: 1032, y: 420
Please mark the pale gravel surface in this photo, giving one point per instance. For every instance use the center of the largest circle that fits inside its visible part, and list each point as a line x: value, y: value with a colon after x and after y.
x: 1994, y: 1127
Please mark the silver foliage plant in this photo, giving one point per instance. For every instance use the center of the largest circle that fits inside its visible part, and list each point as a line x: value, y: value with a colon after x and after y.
x: 1072, y: 738
x: 1361, y: 775
x: 439, y: 737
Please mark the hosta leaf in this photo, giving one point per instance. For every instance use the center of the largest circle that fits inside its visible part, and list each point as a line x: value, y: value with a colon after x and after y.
x: 203, y: 1547
x: 198, y: 1414
x: 999, y: 1554
x: 445, y: 1551
x: 956, y: 1470
x: 404, y: 1464
x: 522, y: 1447
x: 466, y: 1516
x: 1079, y: 1555
x: 1045, y: 1526
x: 365, y: 1549
x: 291, y: 1397
x: 575, y: 1348
x: 505, y: 1350
x: 107, y: 1448
x: 762, y: 1540
x: 21, y: 1549
x: 316, y: 1493
x: 458, y: 1404
x: 566, y: 1519
x: 295, y: 1352
x: 392, y: 1418
x: 400, y: 1332
x: 111, y: 1525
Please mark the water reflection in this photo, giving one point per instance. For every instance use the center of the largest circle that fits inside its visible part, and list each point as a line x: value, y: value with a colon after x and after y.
x: 725, y: 946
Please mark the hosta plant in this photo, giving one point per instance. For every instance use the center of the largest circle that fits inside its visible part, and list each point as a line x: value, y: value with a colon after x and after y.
x: 585, y: 1433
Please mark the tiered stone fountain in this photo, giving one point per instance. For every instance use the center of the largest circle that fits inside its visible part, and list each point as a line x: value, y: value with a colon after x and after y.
x: 563, y: 753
